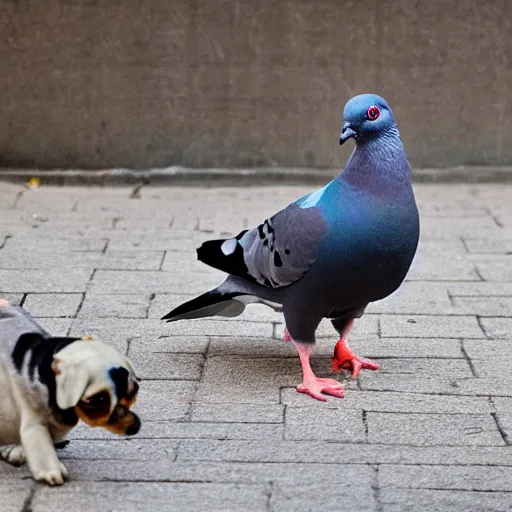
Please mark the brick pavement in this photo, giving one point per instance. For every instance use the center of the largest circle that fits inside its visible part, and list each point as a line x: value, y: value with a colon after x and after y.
x: 223, y: 427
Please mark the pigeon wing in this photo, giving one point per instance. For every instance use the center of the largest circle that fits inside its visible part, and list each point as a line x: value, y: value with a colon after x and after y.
x: 276, y: 253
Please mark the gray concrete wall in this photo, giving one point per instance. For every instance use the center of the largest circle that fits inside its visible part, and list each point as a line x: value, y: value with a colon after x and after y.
x: 101, y: 83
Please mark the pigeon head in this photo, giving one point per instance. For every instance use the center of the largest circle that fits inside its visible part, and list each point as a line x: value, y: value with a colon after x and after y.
x: 365, y: 117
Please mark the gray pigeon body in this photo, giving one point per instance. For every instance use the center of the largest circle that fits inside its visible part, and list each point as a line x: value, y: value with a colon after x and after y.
x: 330, y: 253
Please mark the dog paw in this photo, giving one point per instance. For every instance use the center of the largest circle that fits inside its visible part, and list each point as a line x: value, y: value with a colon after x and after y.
x: 54, y: 476
x: 14, y: 455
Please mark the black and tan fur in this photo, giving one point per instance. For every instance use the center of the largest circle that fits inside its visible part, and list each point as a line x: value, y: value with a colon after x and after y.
x: 50, y: 383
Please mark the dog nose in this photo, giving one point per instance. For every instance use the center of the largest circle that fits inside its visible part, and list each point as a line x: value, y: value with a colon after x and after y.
x: 134, y: 427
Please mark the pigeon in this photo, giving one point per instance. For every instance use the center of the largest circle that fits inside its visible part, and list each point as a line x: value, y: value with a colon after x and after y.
x: 328, y: 254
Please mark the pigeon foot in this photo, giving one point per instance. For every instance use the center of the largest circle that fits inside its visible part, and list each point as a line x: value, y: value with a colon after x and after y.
x: 312, y: 385
x: 286, y: 335
x: 315, y: 387
x: 344, y: 358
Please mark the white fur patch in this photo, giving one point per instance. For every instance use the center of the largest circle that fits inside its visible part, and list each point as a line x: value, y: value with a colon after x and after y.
x: 229, y: 246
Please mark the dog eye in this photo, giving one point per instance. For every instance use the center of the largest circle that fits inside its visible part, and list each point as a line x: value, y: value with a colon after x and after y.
x: 97, y: 399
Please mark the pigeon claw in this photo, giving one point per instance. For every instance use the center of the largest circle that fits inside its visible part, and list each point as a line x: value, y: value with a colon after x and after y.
x: 286, y: 335
x: 346, y: 359
x: 317, y: 388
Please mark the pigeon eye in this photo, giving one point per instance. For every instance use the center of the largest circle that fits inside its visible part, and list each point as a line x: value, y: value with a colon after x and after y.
x: 373, y: 113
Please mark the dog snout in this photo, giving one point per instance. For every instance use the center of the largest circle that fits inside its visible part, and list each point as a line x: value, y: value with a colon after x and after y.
x: 123, y: 422
x: 134, y: 427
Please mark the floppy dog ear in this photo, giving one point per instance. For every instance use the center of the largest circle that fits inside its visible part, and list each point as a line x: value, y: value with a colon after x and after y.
x: 71, y: 382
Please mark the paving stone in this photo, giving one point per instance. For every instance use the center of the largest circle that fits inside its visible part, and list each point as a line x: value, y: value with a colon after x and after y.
x: 53, y: 304
x: 504, y: 418
x: 357, y: 497
x: 483, y: 306
x: 122, y: 207
x: 496, y: 270
x: 60, y: 199
x: 117, y: 448
x: 167, y: 365
x: 497, y: 327
x: 116, y: 306
x: 324, y: 423
x: 136, y: 496
x: 487, y: 356
x: 35, y: 260
x: 455, y: 227
x: 164, y: 400
x: 218, y: 472
x: 407, y: 347
x: 502, y: 405
x: 422, y: 326
x: 123, y: 281
x: 56, y: 244
x: 505, y: 220
x: 239, y: 329
x: 433, y: 429
x: 56, y: 326
x: 117, y: 331
x: 214, y: 430
x: 485, y: 288
x: 441, y: 248
x: 130, y: 260
x: 455, y: 368
x: 238, y: 413
x: 415, y: 298
x: 489, y: 246
x: 178, y: 261
x: 256, y: 347
x: 225, y: 225
x: 329, y: 452
x: 398, y: 402
x: 399, y: 500
x: 172, y: 344
x: 162, y: 240
x: 442, y: 268
x: 374, y: 381
x: 15, y: 493
x: 464, y: 478
x: 244, y: 379
x: 47, y: 281
x: 497, y: 385
x: 12, y: 298
x: 138, y: 224
x: 123, y: 327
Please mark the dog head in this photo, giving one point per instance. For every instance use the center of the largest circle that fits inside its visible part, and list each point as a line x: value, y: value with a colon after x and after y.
x: 99, y: 384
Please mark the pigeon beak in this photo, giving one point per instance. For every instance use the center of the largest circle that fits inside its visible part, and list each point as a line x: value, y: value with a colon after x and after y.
x: 347, y: 133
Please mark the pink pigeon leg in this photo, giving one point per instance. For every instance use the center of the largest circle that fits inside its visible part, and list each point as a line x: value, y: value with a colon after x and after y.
x: 344, y: 357
x: 286, y: 335
x: 311, y: 384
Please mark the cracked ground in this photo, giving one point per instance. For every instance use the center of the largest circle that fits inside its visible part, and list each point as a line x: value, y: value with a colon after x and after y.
x: 223, y: 427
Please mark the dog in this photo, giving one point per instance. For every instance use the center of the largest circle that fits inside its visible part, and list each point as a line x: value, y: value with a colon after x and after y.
x: 50, y: 383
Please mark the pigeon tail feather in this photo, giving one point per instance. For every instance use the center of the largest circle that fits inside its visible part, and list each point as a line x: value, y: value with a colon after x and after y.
x: 211, y: 303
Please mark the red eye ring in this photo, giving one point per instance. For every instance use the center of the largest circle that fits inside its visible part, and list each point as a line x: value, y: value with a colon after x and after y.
x: 373, y: 113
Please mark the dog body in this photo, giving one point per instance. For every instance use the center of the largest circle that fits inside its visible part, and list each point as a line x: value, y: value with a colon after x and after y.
x: 48, y: 384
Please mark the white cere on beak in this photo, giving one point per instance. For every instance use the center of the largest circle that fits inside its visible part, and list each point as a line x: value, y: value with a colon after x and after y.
x: 229, y: 246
